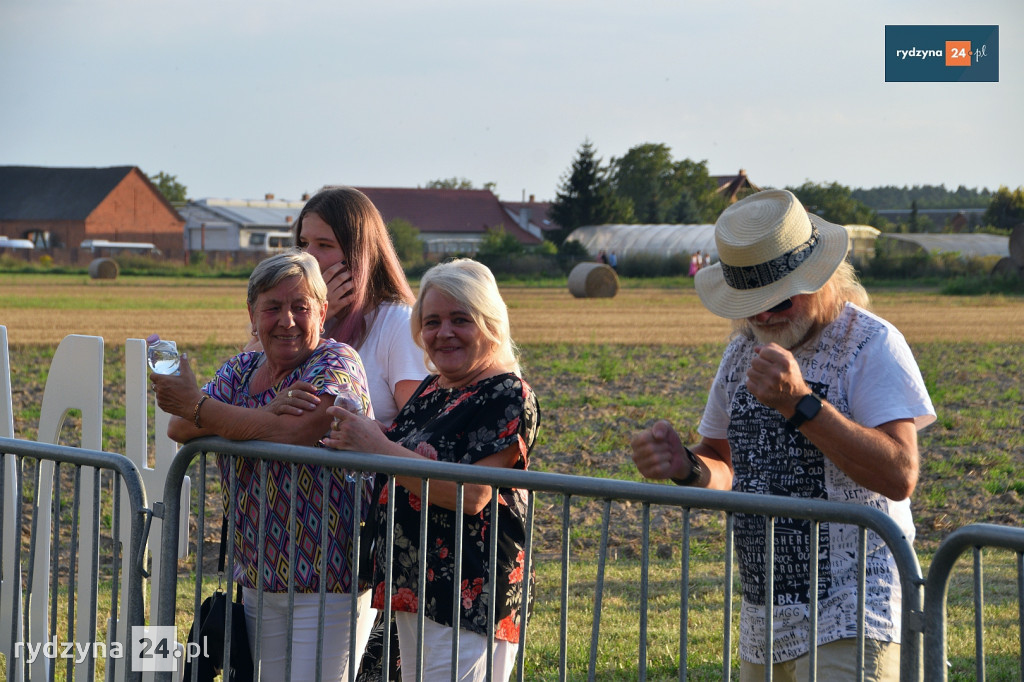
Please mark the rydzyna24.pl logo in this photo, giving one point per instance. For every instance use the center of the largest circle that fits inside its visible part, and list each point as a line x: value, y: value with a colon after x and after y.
x: 942, y: 53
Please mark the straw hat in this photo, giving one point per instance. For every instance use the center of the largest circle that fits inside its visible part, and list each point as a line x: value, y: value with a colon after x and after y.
x: 771, y: 249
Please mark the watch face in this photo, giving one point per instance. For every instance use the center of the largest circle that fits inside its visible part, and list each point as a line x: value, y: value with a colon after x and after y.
x: 808, y: 406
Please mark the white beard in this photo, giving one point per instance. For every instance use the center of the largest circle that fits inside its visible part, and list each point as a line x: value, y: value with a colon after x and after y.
x: 787, y: 334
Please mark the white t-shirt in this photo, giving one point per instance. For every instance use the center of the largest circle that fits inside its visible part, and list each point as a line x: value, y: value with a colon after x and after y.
x: 864, y: 368
x: 389, y: 355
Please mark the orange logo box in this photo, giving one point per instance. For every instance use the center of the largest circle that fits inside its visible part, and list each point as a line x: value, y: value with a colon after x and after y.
x: 958, y: 53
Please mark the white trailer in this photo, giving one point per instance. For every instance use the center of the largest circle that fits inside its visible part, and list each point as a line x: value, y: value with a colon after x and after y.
x: 212, y: 236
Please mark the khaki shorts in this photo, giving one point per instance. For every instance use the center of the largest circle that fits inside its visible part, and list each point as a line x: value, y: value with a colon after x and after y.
x: 836, y: 661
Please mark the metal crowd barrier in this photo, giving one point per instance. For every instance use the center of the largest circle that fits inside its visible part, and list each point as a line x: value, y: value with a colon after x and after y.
x: 973, y: 537
x: 607, y: 490
x: 77, y: 560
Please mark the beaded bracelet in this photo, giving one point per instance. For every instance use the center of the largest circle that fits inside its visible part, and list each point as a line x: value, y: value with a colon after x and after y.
x: 195, y: 412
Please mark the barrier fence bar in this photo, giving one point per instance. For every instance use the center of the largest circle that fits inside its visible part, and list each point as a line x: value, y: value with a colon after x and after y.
x: 124, y: 479
x: 974, y: 536
x: 569, y: 486
x: 922, y: 654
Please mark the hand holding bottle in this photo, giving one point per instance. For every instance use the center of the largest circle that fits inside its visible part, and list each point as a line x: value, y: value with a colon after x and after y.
x: 348, y: 400
x: 162, y: 355
x: 177, y: 393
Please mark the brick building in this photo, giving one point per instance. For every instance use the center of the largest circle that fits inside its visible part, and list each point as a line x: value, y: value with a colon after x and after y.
x: 59, y: 208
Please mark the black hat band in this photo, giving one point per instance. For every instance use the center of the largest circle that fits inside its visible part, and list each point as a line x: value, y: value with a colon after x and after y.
x: 760, y: 275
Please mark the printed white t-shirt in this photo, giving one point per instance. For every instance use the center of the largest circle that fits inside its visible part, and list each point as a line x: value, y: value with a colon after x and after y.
x: 389, y: 355
x: 864, y: 368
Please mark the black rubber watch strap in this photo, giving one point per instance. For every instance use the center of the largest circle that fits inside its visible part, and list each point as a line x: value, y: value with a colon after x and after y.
x: 696, y: 469
x: 806, y: 409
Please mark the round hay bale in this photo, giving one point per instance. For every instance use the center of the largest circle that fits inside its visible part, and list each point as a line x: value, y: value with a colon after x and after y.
x: 1017, y: 245
x: 593, y: 280
x: 1006, y: 267
x: 103, y: 268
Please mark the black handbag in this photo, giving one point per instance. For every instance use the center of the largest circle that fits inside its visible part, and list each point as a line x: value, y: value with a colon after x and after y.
x: 210, y: 636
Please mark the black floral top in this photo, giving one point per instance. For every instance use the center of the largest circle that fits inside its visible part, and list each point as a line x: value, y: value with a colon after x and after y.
x: 462, y: 425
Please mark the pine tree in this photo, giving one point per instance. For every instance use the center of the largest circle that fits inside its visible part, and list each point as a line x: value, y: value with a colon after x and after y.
x: 585, y: 196
x: 1006, y: 210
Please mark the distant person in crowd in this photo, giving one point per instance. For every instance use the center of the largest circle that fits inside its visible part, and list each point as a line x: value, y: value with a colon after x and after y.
x: 694, y: 263
x: 473, y: 409
x: 287, y: 302
x: 602, y: 257
x: 815, y: 397
x: 705, y: 259
x: 369, y: 301
x: 613, y: 261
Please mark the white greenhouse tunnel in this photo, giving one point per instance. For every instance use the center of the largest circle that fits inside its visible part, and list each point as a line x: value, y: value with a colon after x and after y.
x: 665, y: 240
x: 668, y: 240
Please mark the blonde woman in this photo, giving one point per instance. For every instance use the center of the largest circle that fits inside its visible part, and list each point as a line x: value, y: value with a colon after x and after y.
x: 474, y: 409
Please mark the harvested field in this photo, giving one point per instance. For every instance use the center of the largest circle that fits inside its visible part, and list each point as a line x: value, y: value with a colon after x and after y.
x: 38, y: 313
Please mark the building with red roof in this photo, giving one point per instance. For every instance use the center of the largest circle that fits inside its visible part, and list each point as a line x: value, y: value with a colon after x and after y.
x: 453, y: 220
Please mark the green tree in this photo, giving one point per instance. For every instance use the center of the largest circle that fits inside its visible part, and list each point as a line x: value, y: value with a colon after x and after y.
x: 646, y: 176
x: 926, y: 196
x: 663, y: 190
x: 461, y: 183
x: 1006, y: 210
x: 913, y: 225
x: 451, y: 183
x: 700, y: 201
x: 546, y: 248
x: 585, y: 196
x: 834, y: 203
x: 169, y: 186
x: 406, y: 238
x: 498, y: 242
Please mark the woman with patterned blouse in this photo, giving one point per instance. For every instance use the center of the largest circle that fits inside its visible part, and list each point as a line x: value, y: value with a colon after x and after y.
x: 476, y: 409
x: 287, y: 303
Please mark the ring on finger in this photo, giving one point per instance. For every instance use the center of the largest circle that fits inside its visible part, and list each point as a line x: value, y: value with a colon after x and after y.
x: 289, y: 394
x: 335, y: 424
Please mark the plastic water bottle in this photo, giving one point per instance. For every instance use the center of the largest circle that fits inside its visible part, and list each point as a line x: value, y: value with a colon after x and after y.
x: 162, y: 355
x: 348, y: 399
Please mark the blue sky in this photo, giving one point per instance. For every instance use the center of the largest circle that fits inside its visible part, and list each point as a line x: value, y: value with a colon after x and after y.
x: 243, y: 97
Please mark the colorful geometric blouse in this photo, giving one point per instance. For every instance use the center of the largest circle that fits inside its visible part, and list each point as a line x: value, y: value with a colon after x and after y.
x: 331, y: 365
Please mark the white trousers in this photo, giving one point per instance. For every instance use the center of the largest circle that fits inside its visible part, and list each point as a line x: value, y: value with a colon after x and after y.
x: 437, y: 652
x: 274, y: 634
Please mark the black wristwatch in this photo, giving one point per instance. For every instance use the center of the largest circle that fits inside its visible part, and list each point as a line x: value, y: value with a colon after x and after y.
x: 695, y: 469
x: 806, y: 409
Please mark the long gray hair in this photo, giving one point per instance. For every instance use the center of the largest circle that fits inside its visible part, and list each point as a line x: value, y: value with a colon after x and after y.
x: 827, y: 302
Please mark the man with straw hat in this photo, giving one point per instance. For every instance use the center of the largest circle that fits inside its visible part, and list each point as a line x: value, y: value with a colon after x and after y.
x: 815, y: 397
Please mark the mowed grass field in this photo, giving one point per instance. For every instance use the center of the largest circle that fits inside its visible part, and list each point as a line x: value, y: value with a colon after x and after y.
x: 602, y: 369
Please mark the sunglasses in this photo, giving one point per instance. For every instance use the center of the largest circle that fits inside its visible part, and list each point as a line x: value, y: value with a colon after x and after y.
x: 778, y: 308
